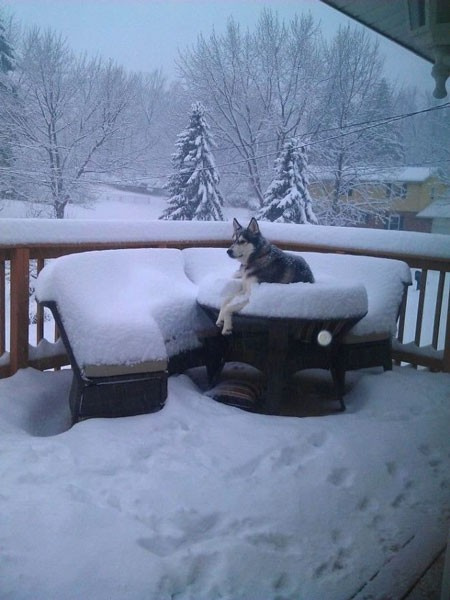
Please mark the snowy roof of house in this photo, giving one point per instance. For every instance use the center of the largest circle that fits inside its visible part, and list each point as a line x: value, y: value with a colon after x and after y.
x: 394, y: 174
x: 439, y: 209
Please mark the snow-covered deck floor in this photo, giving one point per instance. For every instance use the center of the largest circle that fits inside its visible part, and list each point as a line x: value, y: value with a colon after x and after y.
x: 202, y: 501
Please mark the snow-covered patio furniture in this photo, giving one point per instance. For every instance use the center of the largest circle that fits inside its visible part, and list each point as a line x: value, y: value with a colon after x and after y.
x: 127, y: 318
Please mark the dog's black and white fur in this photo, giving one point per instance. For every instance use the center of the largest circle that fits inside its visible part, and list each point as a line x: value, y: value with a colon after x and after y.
x: 261, y: 262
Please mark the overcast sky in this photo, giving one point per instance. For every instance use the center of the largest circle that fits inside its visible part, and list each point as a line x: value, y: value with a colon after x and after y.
x: 146, y: 34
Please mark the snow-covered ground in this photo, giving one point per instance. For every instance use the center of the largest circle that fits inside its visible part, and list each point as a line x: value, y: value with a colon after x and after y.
x: 202, y: 501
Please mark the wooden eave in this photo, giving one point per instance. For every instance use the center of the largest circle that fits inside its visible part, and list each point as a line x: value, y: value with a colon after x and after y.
x: 389, y: 18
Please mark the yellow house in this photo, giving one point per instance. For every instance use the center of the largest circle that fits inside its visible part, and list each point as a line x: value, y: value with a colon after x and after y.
x: 399, y: 193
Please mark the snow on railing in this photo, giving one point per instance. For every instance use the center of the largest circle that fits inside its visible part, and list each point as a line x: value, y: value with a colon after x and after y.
x: 424, y: 325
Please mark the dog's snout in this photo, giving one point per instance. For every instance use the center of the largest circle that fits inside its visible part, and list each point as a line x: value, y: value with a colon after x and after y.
x: 230, y: 252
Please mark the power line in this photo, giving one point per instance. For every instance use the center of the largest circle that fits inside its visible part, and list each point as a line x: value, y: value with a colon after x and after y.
x: 362, y: 168
x: 381, y: 121
x: 345, y: 134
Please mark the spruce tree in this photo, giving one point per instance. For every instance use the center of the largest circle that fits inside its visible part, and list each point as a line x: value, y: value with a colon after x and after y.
x: 287, y: 198
x: 6, y: 51
x: 193, y: 187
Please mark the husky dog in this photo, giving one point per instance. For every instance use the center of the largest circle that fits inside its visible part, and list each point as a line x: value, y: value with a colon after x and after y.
x: 261, y: 262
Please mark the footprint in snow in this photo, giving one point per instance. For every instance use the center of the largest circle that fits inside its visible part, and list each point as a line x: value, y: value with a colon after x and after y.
x: 317, y: 439
x: 339, y: 476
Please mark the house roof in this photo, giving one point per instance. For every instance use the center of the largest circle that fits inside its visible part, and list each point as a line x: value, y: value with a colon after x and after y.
x: 395, y: 174
x: 439, y: 209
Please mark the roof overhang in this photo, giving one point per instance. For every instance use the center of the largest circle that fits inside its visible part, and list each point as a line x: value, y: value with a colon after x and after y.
x: 391, y: 19
x: 439, y: 209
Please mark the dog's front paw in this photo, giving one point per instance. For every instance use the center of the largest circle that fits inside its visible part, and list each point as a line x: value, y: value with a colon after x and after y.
x: 219, y: 321
x: 227, y: 328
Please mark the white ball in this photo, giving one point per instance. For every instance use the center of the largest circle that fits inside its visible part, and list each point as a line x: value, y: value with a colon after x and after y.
x: 324, y: 337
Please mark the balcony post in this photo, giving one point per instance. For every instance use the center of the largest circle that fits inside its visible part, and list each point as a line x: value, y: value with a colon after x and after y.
x: 2, y: 308
x: 20, y: 260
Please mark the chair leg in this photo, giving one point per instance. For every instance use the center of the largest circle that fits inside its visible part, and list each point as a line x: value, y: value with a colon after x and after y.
x: 76, y: 393
x: 215, y: 357
x: 276, y: 367
x: 338, y: 375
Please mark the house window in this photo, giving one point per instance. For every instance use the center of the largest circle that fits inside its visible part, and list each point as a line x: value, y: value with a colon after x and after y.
x: 402, y: 190
x: 396, y: 190
x: 395, y: 222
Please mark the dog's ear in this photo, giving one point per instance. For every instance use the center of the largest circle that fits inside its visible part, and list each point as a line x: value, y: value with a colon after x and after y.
x: 236, y: 226
x: 253, y: 226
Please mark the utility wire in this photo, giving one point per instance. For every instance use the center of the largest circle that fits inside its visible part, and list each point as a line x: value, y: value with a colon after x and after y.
x: 370, y: 125
x: 373, y: 125
x: 367, y: 169
x: 381, y: 121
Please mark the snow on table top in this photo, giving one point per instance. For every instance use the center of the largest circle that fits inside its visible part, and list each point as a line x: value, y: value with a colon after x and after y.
x: 122, y: 306
x: 67, y: 231
x: 327, y: 298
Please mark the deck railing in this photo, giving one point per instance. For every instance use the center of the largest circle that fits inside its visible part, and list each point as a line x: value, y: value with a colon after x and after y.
x: 425, y: 310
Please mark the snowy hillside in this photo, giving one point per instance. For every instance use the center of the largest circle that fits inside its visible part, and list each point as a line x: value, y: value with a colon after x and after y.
x: 108, y: 203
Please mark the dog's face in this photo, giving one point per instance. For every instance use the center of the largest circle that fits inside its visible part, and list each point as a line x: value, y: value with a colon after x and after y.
x: 244, y: 241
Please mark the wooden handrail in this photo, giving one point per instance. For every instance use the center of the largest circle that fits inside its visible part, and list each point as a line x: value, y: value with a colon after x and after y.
x: 21, y: 254
x: 54, y: 250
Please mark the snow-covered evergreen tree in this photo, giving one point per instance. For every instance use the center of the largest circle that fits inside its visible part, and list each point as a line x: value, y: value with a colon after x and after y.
x: 193, y: 187
x: 287, y: 199
x: 6, y: 51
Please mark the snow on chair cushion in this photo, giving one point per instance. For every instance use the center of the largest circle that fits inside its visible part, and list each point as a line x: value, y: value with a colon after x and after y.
x: 200, y: 263
x: 132, y: 308
x: 384, y: 279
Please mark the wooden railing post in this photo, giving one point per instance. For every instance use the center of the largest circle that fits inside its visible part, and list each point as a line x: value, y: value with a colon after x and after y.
x: 20, y: 259
x: 39, y: 308
x: 2, y: 308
